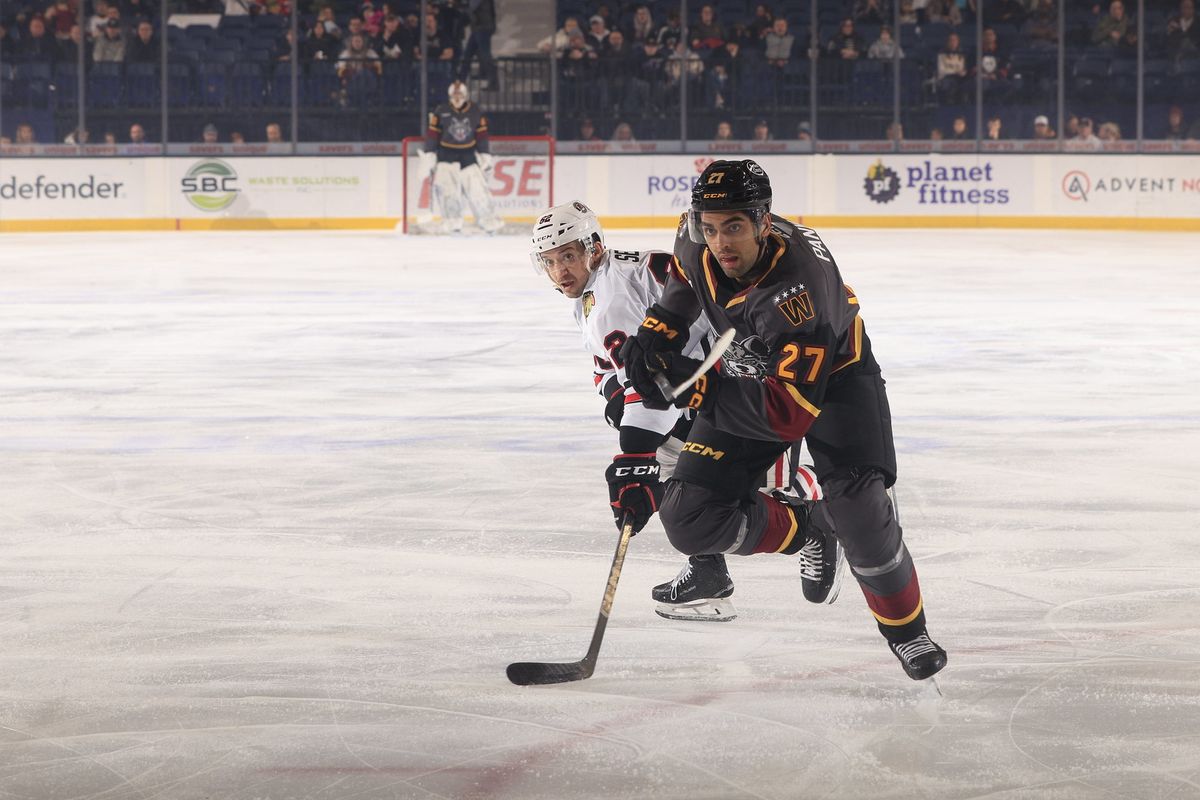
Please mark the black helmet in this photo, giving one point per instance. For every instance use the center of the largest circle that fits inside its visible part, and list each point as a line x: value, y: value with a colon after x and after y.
x: 730, y: 186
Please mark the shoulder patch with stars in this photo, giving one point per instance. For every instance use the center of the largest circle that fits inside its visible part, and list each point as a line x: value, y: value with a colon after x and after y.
x: 795, y: 304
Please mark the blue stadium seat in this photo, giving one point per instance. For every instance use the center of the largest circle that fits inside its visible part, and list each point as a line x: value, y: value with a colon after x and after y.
x: 142, y: 88
x: 249, y: 85
x: 179, y: 85
x: 212, y: 80
x: 105, y: 85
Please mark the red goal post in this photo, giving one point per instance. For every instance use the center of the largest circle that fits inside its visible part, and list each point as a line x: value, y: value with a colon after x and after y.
x: 521, y: 180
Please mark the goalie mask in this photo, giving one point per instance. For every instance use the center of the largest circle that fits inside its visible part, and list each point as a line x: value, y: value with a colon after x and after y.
x: 458, y: 94
x: 730, y: 186
x: 560, y: 227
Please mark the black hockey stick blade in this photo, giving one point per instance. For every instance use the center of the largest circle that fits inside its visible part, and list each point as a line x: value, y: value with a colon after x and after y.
x: 718, y: 349
x: 538, y: 673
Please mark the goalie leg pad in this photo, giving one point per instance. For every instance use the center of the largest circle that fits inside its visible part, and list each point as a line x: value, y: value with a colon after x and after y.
x: 475, y: 187
x: 447, y: 191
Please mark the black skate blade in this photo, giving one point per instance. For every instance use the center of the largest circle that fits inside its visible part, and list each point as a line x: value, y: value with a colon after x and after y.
x: 539, y: 673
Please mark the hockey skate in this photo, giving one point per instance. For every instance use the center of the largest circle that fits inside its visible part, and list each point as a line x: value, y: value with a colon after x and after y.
x: 822, y: 561
x: 700, y: 591
x: 921, y: 657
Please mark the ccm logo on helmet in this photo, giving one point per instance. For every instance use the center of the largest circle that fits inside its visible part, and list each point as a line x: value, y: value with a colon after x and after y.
x: 710, y: 195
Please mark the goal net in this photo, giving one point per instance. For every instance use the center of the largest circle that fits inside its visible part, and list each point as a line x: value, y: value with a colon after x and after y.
x: 521, y: 182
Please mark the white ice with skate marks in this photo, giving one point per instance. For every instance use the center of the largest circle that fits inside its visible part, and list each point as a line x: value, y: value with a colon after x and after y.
x: 280, y: 508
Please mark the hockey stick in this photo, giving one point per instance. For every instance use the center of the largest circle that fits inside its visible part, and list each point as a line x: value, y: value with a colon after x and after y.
x: 719, y: 347
x: 535, y: 673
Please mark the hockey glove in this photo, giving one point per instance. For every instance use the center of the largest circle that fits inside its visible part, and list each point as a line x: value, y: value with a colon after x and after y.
x: 702, y: 394
x: 634, y: 487
x: 425, y: 164
x: 660, y: 335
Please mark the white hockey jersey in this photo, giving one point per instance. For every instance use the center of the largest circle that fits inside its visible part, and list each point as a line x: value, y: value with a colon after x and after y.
x: 611, y: 309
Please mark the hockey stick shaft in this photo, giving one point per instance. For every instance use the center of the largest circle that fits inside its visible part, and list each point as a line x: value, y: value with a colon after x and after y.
x: 718, y: 349
x: 527, y: 673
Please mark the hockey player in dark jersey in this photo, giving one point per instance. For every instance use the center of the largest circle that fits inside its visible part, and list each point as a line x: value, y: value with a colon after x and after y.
x: 801, y: 367
x: 457, y: 153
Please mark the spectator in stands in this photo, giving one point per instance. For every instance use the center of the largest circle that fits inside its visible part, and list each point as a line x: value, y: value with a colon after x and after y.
x: 355, y: 25
x: 993, y: 64
x: 140, y: 9
x: 59, y: 18
x: 1003, y: 12
x: 995, y: 129
x: 724, y: 66
x: 25, y: 134
x: 438, y: 44
x: 708, y: 33
x: 671, y: 32
x: 137, y: 134
x: 236, y: 137
x: 944, y: 11
x: 1115, y: 29
x: 587, y: 131
x: 959, y: 129
x: 936, y: 135
x: 895, y: 132
x: 951, y: 71
x: 762, y: 131
x: 95, y: 23
x: 561, y: 39
x: 110, y: 137
x: 274, y: 133
x: 641, y: 27
x: 282, y: 49
x: 623, y: 133
x: 325, y: 15
x: 209, y: 135
x: 908, y: 13
x: 372, y: 18
x: 597, y: 35
x: 1042, y: 129
x: 761, y: 22
x: 1176, y: 130
x: 143, y: 48
x: 37, y: 46
x: 1109, y: 132
x: 1041, y: 27
x: 481, y: 15
x: 618, y: 67
x: 885, y: 47
x: 110, y: 46
x: 77, y: 136
x: 724, y: 131
x: 392, y: 42
x: 319, y: 45
x: 358, y: 63
x: 1085, y: 135
x: 1183, y: 34
x: 869, y: 12
x: 650, y: 62
x: 803, y: 132
x: 68, y: 49
x: 778, y: 43
x: 846, y: 43
x: 683, y: 62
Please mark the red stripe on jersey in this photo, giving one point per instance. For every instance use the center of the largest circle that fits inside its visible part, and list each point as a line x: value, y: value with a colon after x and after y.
x: 633, y: 397
x: 597, y: 378
x: 779, y: 525
x: 809, y: 480
x: 898, y: 608
x: 779, y: 471
x: 787, y: 418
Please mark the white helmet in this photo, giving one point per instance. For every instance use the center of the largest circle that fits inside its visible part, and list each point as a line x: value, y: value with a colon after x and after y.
x: 570, y: 222
x: 458, y: 94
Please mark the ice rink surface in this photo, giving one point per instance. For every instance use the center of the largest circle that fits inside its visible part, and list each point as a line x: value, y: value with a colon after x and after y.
x: 279, y: 508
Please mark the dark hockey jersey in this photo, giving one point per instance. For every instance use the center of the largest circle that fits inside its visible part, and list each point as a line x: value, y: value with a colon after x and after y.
x: 457, y: 133
x: 797, y: 328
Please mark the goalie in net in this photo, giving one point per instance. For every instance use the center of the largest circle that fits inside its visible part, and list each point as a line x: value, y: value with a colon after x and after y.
x: 459, y: 158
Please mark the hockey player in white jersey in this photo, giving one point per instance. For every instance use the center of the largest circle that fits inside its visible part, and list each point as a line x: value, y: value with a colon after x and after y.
x: 457, y: 153
x: 610, y: 290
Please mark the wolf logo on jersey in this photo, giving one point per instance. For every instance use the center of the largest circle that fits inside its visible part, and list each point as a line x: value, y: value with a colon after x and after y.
x: 747, y: 358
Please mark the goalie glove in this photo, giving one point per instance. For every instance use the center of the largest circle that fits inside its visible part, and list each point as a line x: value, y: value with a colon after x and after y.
x: 425, y: 163
x: 484, y: 160
x: 634, y: 487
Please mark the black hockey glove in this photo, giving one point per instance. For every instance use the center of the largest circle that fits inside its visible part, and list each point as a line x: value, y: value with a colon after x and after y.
x: 660, y: 334
x: 634, y: 487
x: 614, y: 408
x: 702, y: 394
